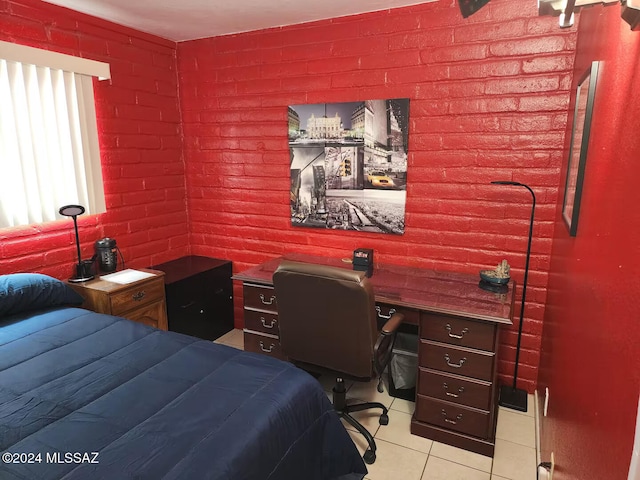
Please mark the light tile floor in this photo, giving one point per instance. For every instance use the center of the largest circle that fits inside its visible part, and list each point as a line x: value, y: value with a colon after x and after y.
x: 402, y: 455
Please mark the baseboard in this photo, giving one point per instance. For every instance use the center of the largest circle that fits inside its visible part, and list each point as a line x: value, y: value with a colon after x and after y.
x: 537, y: 420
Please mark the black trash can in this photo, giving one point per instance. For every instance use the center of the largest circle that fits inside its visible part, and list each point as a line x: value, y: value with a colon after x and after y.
x: 403, y: 366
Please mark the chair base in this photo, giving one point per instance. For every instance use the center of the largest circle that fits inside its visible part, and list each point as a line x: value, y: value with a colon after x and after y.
x: 344, y: 411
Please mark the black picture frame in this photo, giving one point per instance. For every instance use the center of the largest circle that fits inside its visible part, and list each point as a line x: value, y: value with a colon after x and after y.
x: 580, y: 133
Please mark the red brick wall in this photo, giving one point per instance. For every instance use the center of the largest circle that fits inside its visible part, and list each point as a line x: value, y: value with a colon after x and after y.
x: 140, y: 142
x: 489, y: 98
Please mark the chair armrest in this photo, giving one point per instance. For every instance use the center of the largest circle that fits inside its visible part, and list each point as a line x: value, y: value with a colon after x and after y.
x: 384, y: 344
x: 393, y: 323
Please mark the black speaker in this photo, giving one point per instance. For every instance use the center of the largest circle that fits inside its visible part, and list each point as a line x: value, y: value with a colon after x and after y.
x: 469, y: 7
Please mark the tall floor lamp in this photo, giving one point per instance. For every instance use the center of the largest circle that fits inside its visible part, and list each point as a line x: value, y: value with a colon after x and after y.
x: 510, y: 396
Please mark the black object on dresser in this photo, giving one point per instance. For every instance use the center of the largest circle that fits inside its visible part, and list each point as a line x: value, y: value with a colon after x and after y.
x: 199, y: 296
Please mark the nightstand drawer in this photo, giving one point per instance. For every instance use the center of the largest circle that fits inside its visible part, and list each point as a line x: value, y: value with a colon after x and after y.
x: 452, y: 388
x: 152, y: 314
x: 261, y: 322
x: 456, y: 360
x: 256, y: 343
x: 458, y: 331
x: 260, y: 297
x: 452, y: 417
x: 137, y: 296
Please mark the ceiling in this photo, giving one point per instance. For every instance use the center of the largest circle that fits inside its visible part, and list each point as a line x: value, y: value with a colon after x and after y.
x: 181, y: 20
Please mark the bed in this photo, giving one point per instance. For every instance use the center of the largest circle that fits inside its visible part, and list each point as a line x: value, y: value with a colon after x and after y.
x: 92, y: 396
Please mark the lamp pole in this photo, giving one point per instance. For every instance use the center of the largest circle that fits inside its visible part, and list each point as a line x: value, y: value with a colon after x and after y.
x: 512, y: 397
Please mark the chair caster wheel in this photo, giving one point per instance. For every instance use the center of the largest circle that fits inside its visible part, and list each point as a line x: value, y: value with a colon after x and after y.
x: 384, y: 419
x: 369, y: 457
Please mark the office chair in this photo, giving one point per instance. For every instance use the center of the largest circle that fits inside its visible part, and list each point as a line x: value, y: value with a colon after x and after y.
x: 328, y: 325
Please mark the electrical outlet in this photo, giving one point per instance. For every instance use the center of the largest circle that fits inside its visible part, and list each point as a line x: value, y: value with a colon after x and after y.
x: 546, y: 401
x: 545, y: 470
x: 543, y: 473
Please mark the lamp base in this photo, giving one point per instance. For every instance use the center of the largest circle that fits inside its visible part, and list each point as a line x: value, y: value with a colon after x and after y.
x: 513, y: 398
x: 81, y: 279
x: 84, y: 272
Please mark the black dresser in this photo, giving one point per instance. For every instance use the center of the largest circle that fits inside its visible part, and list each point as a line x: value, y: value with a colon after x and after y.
x: 199, y: 296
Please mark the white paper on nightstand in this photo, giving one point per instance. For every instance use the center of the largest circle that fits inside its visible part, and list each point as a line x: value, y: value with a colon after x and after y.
x: 126, y: 276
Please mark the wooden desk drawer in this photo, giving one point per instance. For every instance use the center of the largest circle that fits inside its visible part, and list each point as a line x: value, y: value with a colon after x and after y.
x: 452, y: 417
x: 458, y: 331
x: 153, y: 314
x: 457, y: 360
x: 456, y: 389
x: 256, y: 343
x: 265, y: 322
x: 137, y: 296
x: 385, y: 311
x: 260, y: 297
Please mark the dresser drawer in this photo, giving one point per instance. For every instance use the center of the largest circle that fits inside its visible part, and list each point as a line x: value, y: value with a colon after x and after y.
x: 458, y: 331
x: 256, y: 343
x: 137, y: 296
x: 453, y: 417
x: 152, y: 314
x: 260, y: 297
x: 457, y: 360
x: 456, y: 389
x: 385, y: 311
x: 264, y: 322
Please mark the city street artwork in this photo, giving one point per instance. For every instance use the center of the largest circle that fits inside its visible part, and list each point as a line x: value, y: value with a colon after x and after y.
x: 349, y: 165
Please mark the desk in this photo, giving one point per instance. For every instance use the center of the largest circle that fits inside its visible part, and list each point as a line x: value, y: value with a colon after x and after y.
x: 458, y: 325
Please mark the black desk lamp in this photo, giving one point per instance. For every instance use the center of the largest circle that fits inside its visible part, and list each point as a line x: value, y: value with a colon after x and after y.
x: 510, y: 396
x: 83, y: 268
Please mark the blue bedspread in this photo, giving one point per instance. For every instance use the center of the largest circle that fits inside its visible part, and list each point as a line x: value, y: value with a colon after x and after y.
x: 157, y: 405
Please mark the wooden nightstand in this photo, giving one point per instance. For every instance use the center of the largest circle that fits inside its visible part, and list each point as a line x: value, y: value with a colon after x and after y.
x: 141, y: 301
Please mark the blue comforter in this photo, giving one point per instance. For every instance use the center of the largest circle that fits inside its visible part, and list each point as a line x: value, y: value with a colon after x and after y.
x: 78, y: 387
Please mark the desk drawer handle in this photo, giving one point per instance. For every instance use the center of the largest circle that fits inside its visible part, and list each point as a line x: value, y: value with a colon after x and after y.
x: 271, y: 300
x: 138, y: 296
x: 448, y: 420
x: 386, y: 317
x: 265, y: 350
x: 453, y: 335
x: 454, y: 365
x: 454, y: 395
x: 264, y: 322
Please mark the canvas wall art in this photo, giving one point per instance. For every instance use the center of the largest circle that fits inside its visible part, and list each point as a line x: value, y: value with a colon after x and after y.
x: 349, y: 165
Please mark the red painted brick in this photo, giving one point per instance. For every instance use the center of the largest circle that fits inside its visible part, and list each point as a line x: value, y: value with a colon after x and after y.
x: 485, y: 69
x: 554, y: 63
x: 455, y: 53
x: 544, y: 103
x: 303, y: 52
x: 522, y: 85
x: 530, y: 46
x: 421, y: 39
x: 489, y: 105
x: 138, y: 112
x: 280, y: 70
x: 391, y: 23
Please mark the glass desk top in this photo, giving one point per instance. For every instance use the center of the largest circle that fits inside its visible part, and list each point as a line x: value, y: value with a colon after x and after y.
x: 429, y: 290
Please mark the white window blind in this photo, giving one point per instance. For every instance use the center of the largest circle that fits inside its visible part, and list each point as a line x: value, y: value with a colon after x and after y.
x: 49, y: 152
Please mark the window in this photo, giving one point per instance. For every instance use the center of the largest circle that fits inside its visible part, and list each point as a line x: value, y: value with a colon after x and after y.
x: 49, y: 152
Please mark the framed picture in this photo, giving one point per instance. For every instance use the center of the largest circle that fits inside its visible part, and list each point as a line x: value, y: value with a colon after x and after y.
x: 585, y: 94
x: 348, y: 165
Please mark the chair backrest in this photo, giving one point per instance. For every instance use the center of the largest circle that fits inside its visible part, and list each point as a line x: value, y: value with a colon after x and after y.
x: 327, y: 317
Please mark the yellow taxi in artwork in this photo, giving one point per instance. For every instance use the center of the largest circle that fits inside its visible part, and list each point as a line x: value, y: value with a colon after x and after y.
x: 380, y: 179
